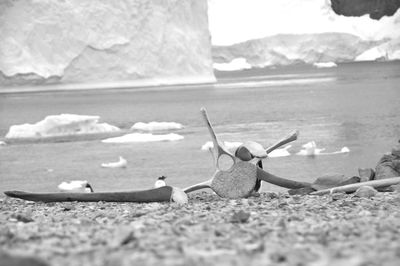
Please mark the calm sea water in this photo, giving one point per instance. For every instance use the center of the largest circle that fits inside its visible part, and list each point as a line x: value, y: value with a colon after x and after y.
x: 355, y: 105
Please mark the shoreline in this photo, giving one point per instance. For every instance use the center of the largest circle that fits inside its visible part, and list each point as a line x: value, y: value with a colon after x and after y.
x: 271, y: 229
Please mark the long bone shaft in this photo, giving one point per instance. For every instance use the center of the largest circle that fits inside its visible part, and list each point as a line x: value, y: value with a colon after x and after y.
x: 151, y: 195
x: 289, y: 138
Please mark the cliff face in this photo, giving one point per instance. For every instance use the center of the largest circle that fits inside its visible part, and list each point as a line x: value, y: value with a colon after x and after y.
x: 288, y: 49
x: 375, y: 8
x: 101, y: 41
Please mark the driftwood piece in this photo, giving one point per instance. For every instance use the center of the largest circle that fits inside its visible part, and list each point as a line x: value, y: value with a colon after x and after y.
x: 354, y: 187
x: 151, y: 195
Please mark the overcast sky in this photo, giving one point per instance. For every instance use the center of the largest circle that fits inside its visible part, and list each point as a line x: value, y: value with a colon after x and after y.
x: 233, y: 21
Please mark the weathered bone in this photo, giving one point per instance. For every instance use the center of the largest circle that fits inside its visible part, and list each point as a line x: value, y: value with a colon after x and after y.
x: 236, y: 182
x: 151, y: 195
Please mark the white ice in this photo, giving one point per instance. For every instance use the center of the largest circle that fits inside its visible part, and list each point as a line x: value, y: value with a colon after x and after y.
x: 122, y: 163
x: 143, y: 137
x: 236, y: 64
x: 61, y: 125
x: 325, y: 64
x: 310, y: 149
x: 156, y: 126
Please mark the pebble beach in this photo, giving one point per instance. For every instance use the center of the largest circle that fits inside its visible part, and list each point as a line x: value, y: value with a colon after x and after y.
x: 268, y: 229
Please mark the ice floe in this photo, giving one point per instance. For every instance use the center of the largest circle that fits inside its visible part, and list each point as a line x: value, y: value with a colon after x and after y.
x: 143, y: 137
x: 122, y: 163
x: 157, y: 126
x: 310, y: 149
x: 61, y: 125
x: 325, y: 64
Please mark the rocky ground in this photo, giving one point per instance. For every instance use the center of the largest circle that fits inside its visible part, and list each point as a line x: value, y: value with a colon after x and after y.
x: 272, y: 229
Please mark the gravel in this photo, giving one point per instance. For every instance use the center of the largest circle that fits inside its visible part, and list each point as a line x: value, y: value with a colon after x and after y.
x: 270, y: 229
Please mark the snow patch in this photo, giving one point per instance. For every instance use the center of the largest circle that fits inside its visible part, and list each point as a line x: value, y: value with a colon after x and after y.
x: 156, y: 126
x: 143, y: 137
x: 61, y: 125
x: 236, y: 64
x: 325, y: 64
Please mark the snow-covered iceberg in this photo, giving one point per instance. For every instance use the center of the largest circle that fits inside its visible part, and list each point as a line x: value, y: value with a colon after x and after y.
x: 290, y: 49
x: 143, y: 137
x: 156, y: 126
x: 61, y: 125
x: 104, y: 43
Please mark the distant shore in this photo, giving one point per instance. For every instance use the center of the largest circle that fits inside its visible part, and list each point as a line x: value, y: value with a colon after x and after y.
x: 272, y: 229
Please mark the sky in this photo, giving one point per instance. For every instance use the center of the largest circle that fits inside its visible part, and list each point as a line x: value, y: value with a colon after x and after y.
x: 233, y: 21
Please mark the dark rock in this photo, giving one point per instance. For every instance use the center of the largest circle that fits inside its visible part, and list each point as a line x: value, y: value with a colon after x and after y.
x: 366, y: 174
x: 375, y: 8
x: 333, y: 180
x: 365, y: 192
x: 7, y: 259
x: 387, y: 167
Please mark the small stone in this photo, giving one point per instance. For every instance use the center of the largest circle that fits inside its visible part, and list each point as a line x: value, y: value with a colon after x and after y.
x: 23, y: 217
x: 240, y: 217
x: 365, y: 192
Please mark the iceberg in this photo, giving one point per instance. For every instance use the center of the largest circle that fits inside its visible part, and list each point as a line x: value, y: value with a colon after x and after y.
x: 320, y: 49
x: 104, y: 43
x: 157, y: 126
x: 143, y: 137
x: 324, y: 64
x: 235, y: 64
x: 61, y: 125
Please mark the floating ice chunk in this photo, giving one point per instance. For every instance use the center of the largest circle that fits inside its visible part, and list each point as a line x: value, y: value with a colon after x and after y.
x: 2, y: 143
x: 310, y: 149
x: 280, y: 152
x: 229, y: 145
x: 120, y: 164
x: 236, y: 64
x: 343, y: 150
x: 143, y: 137
x: 75, y: 186
x: 61, y: 125
x: 325, y: 64
x: 155, y: 126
